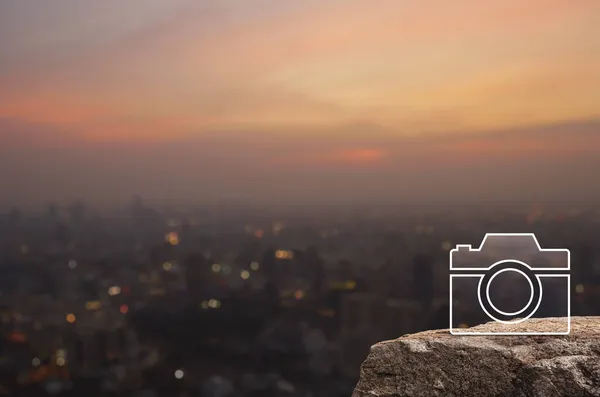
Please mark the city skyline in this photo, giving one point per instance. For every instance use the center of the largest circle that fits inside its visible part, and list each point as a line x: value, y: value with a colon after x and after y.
x: 280, y: 99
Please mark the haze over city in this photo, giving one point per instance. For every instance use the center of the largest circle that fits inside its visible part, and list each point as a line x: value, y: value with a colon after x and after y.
x: 283, y: 100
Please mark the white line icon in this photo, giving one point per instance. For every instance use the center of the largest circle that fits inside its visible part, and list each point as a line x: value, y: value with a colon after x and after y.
x: 518, y: 253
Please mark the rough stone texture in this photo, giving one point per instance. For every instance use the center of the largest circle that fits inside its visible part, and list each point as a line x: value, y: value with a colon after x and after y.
x: 436, y: 363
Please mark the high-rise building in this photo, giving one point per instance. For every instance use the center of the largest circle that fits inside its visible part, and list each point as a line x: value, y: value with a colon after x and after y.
x: 77, y: 212
x: 197, y: 274
x: 313, y: 263
x: 423, y: 279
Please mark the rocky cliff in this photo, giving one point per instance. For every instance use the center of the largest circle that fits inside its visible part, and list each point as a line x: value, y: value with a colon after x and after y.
x: 436, y: 363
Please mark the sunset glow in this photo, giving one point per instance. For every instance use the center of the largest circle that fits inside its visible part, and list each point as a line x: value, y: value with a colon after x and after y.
x: 481, y: 66
x: 259, y: 84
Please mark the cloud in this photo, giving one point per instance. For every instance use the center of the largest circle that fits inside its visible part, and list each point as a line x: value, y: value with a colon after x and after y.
x: 17, y: 135
x: 326, y: 157
x: 556, y: 161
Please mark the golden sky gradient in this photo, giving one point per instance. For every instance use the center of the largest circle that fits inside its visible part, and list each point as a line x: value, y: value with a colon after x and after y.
x: 160, y: 71
x: 304, y: 83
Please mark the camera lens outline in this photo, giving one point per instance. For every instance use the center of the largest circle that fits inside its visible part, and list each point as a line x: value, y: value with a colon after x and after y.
x: 535, y: 297
x: 489, y: 283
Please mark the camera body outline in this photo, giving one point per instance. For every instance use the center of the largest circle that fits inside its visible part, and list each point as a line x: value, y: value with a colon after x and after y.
x: 533, y: 275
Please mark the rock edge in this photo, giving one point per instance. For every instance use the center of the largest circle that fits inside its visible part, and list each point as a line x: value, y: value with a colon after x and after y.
x: 436, y: 363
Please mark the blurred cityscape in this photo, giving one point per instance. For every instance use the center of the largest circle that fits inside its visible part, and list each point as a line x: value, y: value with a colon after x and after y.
x: 231, y: 300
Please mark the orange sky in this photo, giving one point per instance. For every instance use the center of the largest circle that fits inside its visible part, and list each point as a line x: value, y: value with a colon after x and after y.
x: 143, y: 71
x: 181, y: 69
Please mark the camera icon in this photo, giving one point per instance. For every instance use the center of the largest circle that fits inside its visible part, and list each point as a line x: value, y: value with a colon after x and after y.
x: 493, y: 272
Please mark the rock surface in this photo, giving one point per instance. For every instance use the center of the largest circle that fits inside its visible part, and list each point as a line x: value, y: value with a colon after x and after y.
x: 436, y: 363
